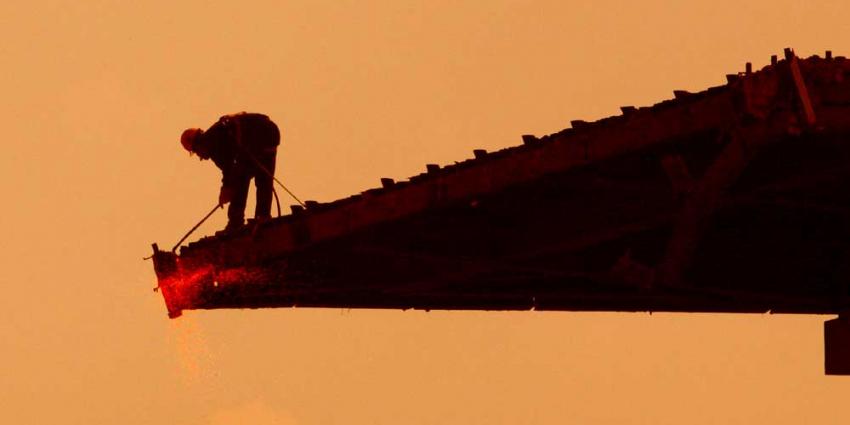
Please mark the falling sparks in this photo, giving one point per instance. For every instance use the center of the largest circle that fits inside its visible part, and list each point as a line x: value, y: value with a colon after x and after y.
x: 193, y: 354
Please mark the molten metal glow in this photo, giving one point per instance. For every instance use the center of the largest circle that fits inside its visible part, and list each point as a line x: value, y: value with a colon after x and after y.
x: 239, y: 276
x: 182, y: 289
x: 186, y: 288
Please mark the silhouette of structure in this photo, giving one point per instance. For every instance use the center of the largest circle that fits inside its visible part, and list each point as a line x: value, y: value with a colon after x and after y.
x: 734, y: 199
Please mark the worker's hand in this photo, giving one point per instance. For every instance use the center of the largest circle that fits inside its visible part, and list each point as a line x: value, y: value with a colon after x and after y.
x: 224, y: 195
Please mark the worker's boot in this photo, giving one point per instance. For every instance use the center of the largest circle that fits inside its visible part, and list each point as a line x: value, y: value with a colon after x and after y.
x: 233, y: 226
x: 256, y: 222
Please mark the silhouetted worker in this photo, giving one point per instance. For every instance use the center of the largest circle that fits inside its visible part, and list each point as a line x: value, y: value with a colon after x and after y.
x: 243, y: 146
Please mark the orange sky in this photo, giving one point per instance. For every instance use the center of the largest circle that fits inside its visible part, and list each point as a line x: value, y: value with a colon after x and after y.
x: 97, y: 93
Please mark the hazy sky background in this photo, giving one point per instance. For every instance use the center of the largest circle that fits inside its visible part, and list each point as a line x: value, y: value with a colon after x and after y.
x: 96, y: 94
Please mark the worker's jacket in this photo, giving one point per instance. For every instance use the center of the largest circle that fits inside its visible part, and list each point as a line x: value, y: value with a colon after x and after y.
x: 237, y: 142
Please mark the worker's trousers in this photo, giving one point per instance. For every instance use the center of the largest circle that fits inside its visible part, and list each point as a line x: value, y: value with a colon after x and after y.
x: 262, y: 181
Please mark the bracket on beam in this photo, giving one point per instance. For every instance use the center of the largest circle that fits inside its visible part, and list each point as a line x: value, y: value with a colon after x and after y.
x: 836, y: 339
x: 677, y: 171
x: 802, y: 92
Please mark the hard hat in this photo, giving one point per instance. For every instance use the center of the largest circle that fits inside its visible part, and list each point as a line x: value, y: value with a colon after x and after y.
x: 187, y: 139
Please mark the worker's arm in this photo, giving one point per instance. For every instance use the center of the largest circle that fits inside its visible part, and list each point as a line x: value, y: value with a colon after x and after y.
x: 224, y: 155
x: 231, y: 172
x: 228, y: 173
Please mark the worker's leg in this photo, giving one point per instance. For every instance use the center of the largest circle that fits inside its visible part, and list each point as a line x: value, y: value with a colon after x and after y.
x: 236, y: 210
x: 263, y: 181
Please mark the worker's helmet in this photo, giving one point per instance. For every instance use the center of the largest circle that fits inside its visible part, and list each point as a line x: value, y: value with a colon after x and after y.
x: 188, y: 138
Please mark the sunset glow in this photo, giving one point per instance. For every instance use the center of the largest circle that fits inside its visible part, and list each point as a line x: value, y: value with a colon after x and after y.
x: 97, y: 94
